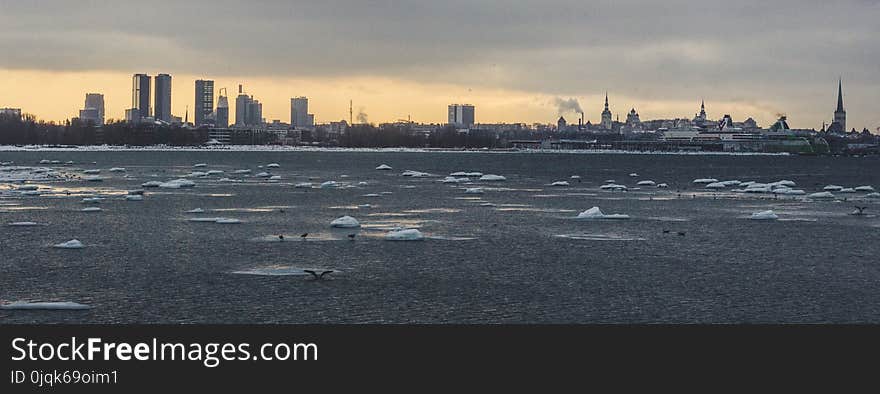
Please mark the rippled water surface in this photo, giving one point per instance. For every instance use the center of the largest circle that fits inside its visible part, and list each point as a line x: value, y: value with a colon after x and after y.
x: 512, y: 254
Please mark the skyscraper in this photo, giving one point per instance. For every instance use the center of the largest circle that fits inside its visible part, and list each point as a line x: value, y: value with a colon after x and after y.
x: 162, y: 98
x: 93, y: 110
x: 299, y: 112
x: 222, y: 114
x: 461, y: 115
x: 204, y: 101
x: 140, y: 95
x: 840, y: 114
x: 248, y: 112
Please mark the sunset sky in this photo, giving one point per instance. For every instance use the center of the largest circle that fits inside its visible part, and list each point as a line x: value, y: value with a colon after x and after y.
x: 512, y: 59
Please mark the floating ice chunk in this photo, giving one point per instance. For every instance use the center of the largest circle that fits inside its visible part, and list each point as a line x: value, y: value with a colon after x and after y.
x: 21, y: 305
x: 204, y: 220
x: 241, y: 172
x: 91, y: 209
x: 384, y: 167
x: 31, y: 193
x: 646, y: 183
x: 596, y: 213
x: 716, y: 185
x: 275, y: 178
x: 227, y: 221
x: 492, y: 178
x: 821, y: 195
x: 200, y: 165
x: 92, y: 172
x: 415, y: 174
x: 177, y: 184
x: 263, y: 175
x: 214, y: 172
x: 329, y: 184
x: 386, y: 193
x: 847, y: 190
x: 784, y: 183
x: 273, y: 165
x: 474, y: 190
x: 372, y: 195
x: 92, y: 200
x: 151, y: 184
x: 303, y: 185
x: 865, y: 189
x: 197, y: 174
x: 575, y: 177
x: 487, y: 204
x: 705, y: 180
x: 872, y: 195
x: 364, y: 206
x: 72, y: 244
x: 473, y: 174
x: 345, y: 222
x: 663, y: 185
x: 452, y: 179
x: 117, y: 169
x: 134, y: 197
x: 457, y: 174
x: 634, y: 175
x: 832, y: 188
x: 790, y: 192
x: 404, y: 235
x: 45, y: 161
x: 93, y: 179
x: 613, y: 186
x: 23, y: 224
x: 27, y: 187
x: 560, y: 183
x: 764, y: 215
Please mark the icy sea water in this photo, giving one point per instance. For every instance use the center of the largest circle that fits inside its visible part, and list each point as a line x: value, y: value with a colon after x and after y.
x: 513, y: 254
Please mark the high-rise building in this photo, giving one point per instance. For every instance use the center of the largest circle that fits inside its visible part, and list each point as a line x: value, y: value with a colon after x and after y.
x: 221, y: 115
x: 93, y: 110
x: 299, y: 112
x: 461, y: 115
x: 607, y: 121
x: 839, y: 123
x: 248, y: 112
x: 140, y: 95
x: 162, y: 98
x: 204, y: 101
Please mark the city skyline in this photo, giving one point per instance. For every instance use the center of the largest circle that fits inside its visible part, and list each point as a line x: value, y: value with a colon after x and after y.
x: 402, y: 62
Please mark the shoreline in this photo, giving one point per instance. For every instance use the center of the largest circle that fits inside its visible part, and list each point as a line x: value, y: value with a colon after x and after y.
x: 274, y: 148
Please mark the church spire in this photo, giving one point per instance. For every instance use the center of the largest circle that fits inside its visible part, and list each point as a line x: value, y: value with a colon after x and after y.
x: 840, y: 95
x: 606, y: 100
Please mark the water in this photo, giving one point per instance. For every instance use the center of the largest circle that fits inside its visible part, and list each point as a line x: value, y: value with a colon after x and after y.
x: 523, y: 260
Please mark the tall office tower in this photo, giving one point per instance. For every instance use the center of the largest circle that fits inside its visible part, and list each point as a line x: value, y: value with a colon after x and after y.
x: 94, y: 108
x: 248, y: 112
x: 140, y: 95
x: 162, y: 98
x: 299, y: 112
x: 222, y: 114
x: 204, y: 101
x: 461, y: 115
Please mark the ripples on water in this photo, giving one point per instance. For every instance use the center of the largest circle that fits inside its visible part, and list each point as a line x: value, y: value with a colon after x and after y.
x: 512, y: 254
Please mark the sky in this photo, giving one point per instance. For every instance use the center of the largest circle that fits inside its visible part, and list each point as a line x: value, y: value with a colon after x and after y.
x: 516, y: 61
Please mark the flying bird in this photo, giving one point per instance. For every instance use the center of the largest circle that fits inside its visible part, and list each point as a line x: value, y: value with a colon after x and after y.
x: 317, y: 275
x: 304, y: 235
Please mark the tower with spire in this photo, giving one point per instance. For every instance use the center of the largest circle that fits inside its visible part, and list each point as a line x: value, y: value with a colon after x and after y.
x: 700, y: 118
x: 607, y: 121
x: 839, y: 123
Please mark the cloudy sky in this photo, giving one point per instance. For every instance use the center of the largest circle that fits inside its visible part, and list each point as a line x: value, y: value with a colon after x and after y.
x: 512, y: 59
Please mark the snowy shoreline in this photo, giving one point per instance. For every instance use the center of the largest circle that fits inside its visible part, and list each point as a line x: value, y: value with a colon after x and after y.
x: 275, y: 148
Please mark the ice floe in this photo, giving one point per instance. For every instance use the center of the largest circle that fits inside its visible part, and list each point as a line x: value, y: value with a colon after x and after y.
x: 872, y: 195
x: 596, y: 213
x: 303, y: 185
x: 404, y: 235
x: 134, y: 197
x: 492, y: 178
x: 821, y: 195
x: 384, y: 167
x: 263, y: 175
x: 345, y: 222
x: 847, y: 190
x: 240, y: 172
x: 663, y: 185
x: 560, y: 183
x: 200, y: 165
x: 764, y: 215
x: 705, y: 180
x: 716, y: 185
x: 415, y: 174
x: 833, y: 188
x: 91, y: 209
x: 72, y: 244
x: 646, y: 183
x: 92, y: 200
x: 23, y: 305
x: 196, y: 210
x: 91, y: 172
x: 634, y: 175
x: 865, y: 189
x: 117, y: 169
x: 151, y: 184
x: 452, y: 179
x: 273, y: 165
x: 22, y: 224
x: 474, y: 190
x: 329, y: 184
x: 177, y: 184
x: 613, y: 186
x: 227, y: 221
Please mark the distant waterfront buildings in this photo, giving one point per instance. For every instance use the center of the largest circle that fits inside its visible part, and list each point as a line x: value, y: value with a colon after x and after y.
x: 10, y: 113
x: 140, y: 97
x: 248, y: 111
x: 204, y: 102
x: 607, y: 123
x: 461, y: 115
x: 162, y: 98
x: 299, y: 113
x: 93, y: 110
x: 221, y: 116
